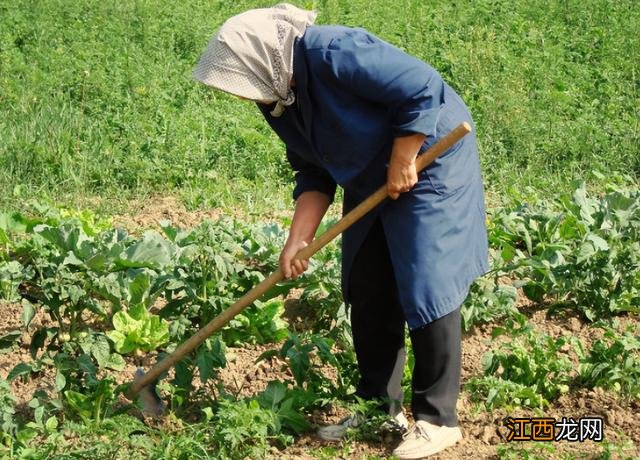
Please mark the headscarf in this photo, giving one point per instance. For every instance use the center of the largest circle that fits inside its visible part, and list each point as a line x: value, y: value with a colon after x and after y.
x: 252, y: 54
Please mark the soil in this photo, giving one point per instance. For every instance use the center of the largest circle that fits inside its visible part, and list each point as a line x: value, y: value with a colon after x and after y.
x: 482, y: 431
x: 148, y: 214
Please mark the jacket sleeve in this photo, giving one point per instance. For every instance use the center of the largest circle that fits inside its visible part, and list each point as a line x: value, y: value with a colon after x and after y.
x: 310, y: 177
x: 375, y: 70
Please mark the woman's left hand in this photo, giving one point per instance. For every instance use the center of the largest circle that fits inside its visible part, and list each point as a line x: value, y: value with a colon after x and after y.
x: 401, y: 177
x: 402, y: 174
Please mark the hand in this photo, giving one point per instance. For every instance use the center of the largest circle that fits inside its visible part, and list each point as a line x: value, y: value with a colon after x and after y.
x: 402, y: 174
x: 292, y: 268
x: 401, y: 177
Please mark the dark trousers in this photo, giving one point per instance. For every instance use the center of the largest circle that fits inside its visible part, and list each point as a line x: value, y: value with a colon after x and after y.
x: 378, y: 327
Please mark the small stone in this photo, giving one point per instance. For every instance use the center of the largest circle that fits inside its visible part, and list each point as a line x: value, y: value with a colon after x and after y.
x: 487, y: 433
x: 575, y: 325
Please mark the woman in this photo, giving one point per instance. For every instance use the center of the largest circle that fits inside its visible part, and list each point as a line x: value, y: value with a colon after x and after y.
x: 355, y: 111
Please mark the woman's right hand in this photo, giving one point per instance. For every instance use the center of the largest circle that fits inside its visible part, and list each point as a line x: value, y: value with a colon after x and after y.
x: 292, y: 268
x: 310, y: 207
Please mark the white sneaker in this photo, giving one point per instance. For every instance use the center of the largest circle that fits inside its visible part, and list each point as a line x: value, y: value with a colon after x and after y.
x: 338, y: 431
x: 426, y: 439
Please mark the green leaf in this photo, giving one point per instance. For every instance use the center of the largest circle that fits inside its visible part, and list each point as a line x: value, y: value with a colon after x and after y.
x: 184, y: 374
x: 67, y: 237
x: 9, y: 339
x: 123, y: 322
x: 534, y: 291
x: 208, y: 414
x: 25, y: 435
x: 71, y: 259
x: 293, y: 419
x: 13, y: 223
x: 115, y: 362
x: 585, y: 205
x: 51, y: 424
x: 38, y: 413
x: 28, y: 312
x: 38, y: 338
x: 19, y: 370
x: 61, y: 381
x: 209, y: 357
x: 85, y: 364
x: 599, y: 243
x: 138, y: 329
x: 586, y: 251
x: 100, y: 349
x: 272, y: 395
x: 120, y: 342
x: 138, y: 312
x: 152, y: 251
x: 80, y: 403
x: 139, y: 288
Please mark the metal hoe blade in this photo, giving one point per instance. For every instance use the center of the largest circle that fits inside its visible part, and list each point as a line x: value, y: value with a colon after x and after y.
x: 148, y: 396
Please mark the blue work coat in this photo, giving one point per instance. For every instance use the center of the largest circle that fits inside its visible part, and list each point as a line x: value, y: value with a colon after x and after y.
x: 354, y: 94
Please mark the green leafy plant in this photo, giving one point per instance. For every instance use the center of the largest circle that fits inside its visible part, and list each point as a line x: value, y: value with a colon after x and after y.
x: 530, y: 451
x: 494, y: 391
x: 244, y: 429
x: 287, y: 405
x: 260, y: 323
x: 488, y: 301
x: 137, y: 329
x: 94, y: 403
x: 530, y: 371
x: 576, y: 252
x: 12, y: 274
x: 304, y: 354
x: 612, y: 362
x: 8, y: 425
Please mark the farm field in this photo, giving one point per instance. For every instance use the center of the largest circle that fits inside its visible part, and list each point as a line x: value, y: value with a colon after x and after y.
x: 135, y: 205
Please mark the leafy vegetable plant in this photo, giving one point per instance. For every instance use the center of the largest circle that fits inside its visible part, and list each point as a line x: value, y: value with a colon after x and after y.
x: 612, y: 362
x: 530, y: 370
x: 137, y: 329
x: 576, y: 252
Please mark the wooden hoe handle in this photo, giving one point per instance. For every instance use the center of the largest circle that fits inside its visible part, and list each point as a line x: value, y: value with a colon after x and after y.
x: 422, y: 161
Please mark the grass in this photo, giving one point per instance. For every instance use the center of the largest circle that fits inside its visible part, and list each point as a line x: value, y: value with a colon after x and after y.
x: 97, y: 103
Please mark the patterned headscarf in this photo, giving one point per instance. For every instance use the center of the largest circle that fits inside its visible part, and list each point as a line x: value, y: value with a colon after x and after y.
x: 252, y: 54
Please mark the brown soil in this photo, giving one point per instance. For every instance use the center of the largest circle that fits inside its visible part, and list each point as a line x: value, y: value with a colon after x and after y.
x: 148, y: 214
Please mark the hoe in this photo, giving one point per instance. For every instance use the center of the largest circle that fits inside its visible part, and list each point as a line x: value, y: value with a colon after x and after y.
x: 144, y: 385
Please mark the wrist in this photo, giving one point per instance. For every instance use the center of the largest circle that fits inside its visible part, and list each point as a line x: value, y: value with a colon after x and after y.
x: 403, y: 159
x: 297, y: 241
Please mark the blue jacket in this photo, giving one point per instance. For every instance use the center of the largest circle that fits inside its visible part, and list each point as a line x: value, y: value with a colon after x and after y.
x: 354, y: 94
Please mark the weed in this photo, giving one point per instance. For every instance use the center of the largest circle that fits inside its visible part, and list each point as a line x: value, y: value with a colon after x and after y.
x: 612, y: 362
x: 529, y: 371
